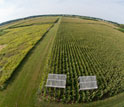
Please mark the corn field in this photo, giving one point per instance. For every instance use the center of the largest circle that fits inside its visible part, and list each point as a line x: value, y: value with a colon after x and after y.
x: 82, y: 49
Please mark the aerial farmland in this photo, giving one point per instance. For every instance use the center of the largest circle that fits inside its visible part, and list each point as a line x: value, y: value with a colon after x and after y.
x: 64, y: 60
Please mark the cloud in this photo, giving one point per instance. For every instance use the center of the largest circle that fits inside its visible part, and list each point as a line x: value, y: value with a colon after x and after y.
x: 1, y: 2
x: 5, y: 14
x: 107, y: 9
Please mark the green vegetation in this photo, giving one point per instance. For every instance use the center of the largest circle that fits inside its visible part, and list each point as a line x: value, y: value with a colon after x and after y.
x: 116, y: 101
x: 86, y: 48
x: 24, y: 83
x: 121, y: 27
x: 18, y: 43
x: 122, y: 30
x: 30, y: 48
x: 34, y: 21
x: 2, y: 32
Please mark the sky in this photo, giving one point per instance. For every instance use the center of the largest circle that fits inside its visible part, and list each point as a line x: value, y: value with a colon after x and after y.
x: 112, y: 10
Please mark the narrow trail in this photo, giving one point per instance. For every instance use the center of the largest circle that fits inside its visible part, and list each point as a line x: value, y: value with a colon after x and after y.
x: 21, y: 91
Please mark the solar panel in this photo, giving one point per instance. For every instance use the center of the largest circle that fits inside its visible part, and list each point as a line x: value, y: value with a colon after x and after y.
x: 87, y: 78
x: 56, y: 80
x: 87, y: 82
x: 57, y: 76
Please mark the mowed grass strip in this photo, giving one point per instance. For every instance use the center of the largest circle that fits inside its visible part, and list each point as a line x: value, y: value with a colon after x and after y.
x: 116, y: 101
x: 24, y: 85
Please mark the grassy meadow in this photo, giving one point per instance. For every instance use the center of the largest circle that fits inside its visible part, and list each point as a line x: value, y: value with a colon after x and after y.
x: 18, y: 41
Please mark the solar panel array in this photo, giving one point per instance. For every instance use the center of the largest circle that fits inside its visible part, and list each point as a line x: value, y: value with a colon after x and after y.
x: 56, y: 80
x: 87, y: 82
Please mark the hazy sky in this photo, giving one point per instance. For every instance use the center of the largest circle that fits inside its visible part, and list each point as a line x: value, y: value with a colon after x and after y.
x: 107, y: 9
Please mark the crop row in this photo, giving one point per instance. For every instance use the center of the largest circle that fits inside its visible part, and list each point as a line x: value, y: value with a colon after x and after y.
x: 72, y: 57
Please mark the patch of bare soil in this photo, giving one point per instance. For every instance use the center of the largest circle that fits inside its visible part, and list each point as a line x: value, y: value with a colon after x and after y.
x: 2, y: 46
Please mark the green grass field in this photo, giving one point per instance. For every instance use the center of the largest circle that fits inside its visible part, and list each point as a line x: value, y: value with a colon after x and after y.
x: 32, y: 48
